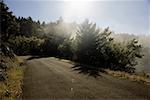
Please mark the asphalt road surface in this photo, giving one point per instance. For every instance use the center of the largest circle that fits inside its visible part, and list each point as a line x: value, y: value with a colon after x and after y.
x: 52, y: 79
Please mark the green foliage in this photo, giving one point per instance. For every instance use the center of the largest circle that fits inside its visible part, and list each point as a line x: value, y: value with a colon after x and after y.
x: 8, y: 28
x: 57, y: 39
x: 97, y: 48
x: 65, y: 49
x: 104, y: 46
x: 9, y: 25
x: 123, y: 56
x: 22, y: 45
x: 87, y: 42
x: 49, y: 47
x: 29, y: 27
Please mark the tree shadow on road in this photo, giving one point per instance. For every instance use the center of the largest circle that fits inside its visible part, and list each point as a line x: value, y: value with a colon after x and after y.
x: 88, y: 70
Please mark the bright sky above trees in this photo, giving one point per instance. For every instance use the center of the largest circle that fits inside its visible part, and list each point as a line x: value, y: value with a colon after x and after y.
x: 126, y: 16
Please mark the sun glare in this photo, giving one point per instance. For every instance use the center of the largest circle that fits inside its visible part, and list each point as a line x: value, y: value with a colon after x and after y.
x: 76, y: 9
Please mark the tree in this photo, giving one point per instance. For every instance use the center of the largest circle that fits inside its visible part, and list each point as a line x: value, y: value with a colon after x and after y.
x: 65, y: 49
x: 86, y: 36
x: 28, y: 27
x: 123, y: 57
x: 98, y: 48
x: 9, y: 25
x: 8, y: 28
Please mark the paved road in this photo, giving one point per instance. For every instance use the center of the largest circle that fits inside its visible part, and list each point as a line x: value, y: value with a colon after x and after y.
x: 51, y: 79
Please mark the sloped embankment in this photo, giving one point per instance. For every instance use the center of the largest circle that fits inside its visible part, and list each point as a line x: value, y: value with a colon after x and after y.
x: 11, y: 73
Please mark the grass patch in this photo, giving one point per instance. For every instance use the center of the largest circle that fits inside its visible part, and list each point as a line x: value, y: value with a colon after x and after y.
x: 11, y: 88
x: 133, y: 77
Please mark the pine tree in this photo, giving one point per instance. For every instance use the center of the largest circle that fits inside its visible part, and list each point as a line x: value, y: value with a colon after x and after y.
x: 87, y: 35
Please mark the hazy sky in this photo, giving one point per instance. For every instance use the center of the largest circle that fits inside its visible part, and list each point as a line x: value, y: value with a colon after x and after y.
x: 126, y: 16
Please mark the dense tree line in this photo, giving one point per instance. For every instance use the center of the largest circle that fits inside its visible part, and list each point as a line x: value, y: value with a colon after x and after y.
x: 96, y: 47
x: 84, y: 43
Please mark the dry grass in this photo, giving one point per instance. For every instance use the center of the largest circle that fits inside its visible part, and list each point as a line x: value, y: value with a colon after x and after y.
x: 134, y: 77
x: 11, y: 88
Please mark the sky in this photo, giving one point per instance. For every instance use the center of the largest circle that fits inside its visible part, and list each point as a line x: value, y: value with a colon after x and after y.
x: 122, y: 16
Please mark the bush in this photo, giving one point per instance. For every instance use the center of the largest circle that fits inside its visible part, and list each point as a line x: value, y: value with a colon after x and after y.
x: 22, y: 45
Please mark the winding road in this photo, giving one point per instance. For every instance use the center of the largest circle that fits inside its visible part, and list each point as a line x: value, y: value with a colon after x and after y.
x: 53, y: 79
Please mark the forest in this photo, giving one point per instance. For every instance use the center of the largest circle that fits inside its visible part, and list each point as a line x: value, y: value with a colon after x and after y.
x: 84, y: 43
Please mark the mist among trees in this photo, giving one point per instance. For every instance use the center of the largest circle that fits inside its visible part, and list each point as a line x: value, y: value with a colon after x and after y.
x: 84, y: 43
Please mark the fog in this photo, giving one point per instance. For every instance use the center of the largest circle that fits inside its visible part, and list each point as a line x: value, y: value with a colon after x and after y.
x: 144, y: 41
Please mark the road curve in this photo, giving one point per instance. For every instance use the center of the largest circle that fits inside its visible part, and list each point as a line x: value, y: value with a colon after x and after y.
x: 52, y: 79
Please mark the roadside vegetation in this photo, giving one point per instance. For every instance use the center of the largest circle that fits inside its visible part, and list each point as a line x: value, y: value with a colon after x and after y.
x: 84, y: 43
x: 11, y: 77
x: 11, y: 72
x: 137, y: 77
